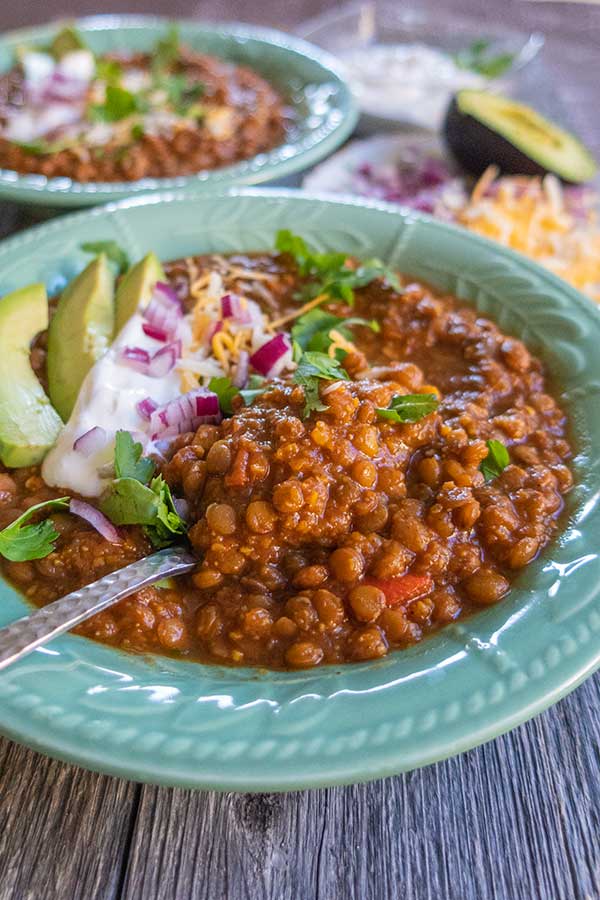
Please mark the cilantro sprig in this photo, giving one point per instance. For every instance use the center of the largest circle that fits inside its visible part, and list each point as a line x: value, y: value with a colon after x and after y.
x: 331, y: 274
x: 314, y: 367
x: 21, y: 541
x: 115, y: 253
x: 479, y: 57
x: 135, y: 497
x: 409, y: 407
x: 119, y: 103
x: 312, y: 331
x: 496, y: 461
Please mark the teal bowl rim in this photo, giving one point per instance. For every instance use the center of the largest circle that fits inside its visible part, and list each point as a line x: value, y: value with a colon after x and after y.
x: 275, y: 164
x: 515, y: 657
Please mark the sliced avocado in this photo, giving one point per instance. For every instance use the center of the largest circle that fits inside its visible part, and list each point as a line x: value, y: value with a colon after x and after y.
x: 80, y: 332
x: 136, y: 287
x: 29, y: 425
x: 483, y: 129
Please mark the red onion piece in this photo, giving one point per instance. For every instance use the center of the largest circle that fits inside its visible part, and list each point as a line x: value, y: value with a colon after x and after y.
x: 146, y: 407
x: 212, y: 330
x: 136, y: 358
x: 240, y: 376
x: 269, y: 359
x: 167, y: 294
x: 233, y: 308
x: 153, y: 331
x: 96, y: 519
x: 163, y: 317
x: 164, y: 360
x: 185, y: 413
x: 91, y: 441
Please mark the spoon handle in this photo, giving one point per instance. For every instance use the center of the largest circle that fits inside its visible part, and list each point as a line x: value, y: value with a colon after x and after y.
x: 24, y: 635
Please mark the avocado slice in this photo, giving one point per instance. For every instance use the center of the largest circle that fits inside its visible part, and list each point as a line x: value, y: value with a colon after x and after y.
x: 136, y: 288
x: 29, y: 425
x: 483, y: 129
x: 80, y: 332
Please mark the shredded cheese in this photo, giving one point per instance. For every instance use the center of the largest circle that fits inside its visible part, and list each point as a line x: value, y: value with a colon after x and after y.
x: 537, y: 217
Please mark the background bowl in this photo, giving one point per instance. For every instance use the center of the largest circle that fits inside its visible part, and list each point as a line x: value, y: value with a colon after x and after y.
x: 178, y: 723
x: 307, y: 77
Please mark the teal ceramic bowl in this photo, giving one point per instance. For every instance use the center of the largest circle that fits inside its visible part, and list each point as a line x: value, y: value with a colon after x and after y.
x: 324, y: 111
x: 178, y: 723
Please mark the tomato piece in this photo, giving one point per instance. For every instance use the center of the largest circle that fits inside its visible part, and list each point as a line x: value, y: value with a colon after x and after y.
x: 402, y: 589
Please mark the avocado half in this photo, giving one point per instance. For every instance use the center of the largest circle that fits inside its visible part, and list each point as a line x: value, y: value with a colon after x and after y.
x: 483, y: 129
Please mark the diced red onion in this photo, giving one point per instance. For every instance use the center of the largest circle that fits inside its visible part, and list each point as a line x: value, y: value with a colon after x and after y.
x: 164, y: 360
x: 91, y: 441
x: 146, y: 407
x: 213, y: 329
x: 166, y: 318
x: 269, y: 359
x: 240, y: 376
x: 185, y: 413
x: 136, y: 358
x: 96, y: 519
x: 167, y: 294
x: 182, y: 507
x: 233, y: 308
x: 154, y: 332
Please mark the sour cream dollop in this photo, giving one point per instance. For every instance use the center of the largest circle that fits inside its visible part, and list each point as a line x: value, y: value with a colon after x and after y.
x: 107, y: 399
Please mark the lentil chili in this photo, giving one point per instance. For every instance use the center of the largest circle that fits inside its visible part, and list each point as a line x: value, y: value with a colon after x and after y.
x: 344, y: 535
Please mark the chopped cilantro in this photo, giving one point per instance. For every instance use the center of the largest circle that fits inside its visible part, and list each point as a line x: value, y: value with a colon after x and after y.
x: 108, y: 70
x: 130, y: 500
x: 180, y: 94
x: 496, y: 461
x: 67, y: 40
x: 118, y: 104
x: 312, y: 331
x: 329, y: 273
x: 129, y: 462
x: 409, y: 407
x: 137, y: 131
x: 225, y: 390
x: 479, y: 57
x: 256, y: 386
x: 113, y: 251
x: 167, y: 49
x: 20, y: 541
x: 312, y: 368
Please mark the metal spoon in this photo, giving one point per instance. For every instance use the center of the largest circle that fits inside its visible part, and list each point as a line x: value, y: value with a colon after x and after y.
x: 44, y: 624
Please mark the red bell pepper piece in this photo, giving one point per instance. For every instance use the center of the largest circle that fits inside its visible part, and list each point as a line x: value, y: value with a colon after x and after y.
x: 404, y: 588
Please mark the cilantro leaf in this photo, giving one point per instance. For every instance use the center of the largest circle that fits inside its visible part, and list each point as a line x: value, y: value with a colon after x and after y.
x: 113, y: 251
x: 496, y: 461
x: 130, y: 500
x: 108, y: 70
x: 312, y: 368
x: 168, y: 522
x: 20, y: 541
x: 329, y: 273
x: 312, y: 330
x: 129, y: 462
x: 167, y: 48
x: 478, y: 57
x: 409, y: 407
x: 256, y: 386
x: 118, y: 104
x: 67, y: 40
x: 225, y: 390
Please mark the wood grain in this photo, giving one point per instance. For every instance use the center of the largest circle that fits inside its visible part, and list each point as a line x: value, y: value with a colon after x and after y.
x: 64, y: 834
x: 517, y: 819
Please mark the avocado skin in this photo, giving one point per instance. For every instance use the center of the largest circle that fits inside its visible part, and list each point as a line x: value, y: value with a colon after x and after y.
x: 29, y: 425
x: 475, y: 146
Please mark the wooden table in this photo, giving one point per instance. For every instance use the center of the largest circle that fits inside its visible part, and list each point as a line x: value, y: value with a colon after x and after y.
x: 517, y: 818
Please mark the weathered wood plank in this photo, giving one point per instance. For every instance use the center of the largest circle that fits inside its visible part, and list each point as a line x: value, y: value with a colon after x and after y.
x: 515, y: 819
x: 64, y: 833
